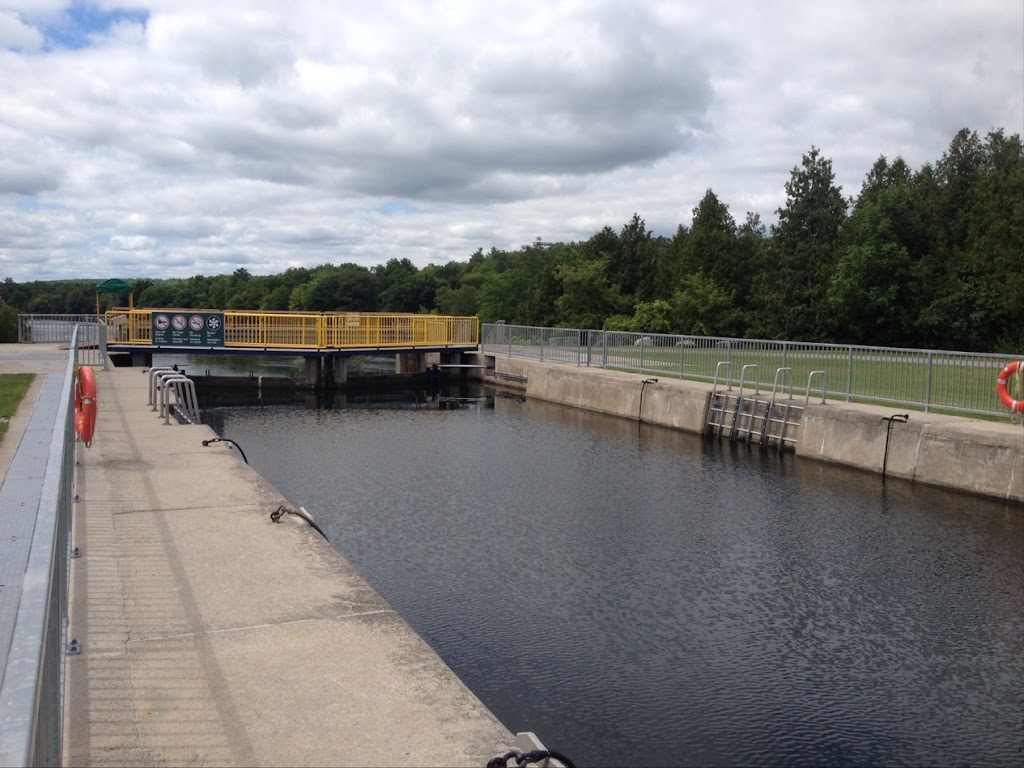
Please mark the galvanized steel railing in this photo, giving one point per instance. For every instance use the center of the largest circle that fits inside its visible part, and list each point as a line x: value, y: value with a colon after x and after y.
x: 89, y: 333
x: 310, y: 330
x: 931, y: 380
x: 31, y: 694
x: 51, y: 328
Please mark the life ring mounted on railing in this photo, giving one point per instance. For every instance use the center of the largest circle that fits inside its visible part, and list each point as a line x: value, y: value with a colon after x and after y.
x: 1004, y: 394
x: 85, y: 405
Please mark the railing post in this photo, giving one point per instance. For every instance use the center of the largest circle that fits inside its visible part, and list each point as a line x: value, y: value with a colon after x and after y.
x: 928, y: 386
x: 849, y: 377
x: 604, y: 352
x: 579, y: 344
x: 102, y: 344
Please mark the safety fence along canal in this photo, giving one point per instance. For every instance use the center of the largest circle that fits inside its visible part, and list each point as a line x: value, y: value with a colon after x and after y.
x: 934, y: 381
x: 35, y: 519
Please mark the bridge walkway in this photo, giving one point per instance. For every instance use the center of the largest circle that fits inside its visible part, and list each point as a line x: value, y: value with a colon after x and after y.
x: 210, y: 635
x: 307, y: 334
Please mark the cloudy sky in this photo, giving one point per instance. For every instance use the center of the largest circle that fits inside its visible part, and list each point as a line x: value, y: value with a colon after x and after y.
x: 169, y: 138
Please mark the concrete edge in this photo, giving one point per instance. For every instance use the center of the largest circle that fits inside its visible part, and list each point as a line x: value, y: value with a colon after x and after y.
x: 978, y: 457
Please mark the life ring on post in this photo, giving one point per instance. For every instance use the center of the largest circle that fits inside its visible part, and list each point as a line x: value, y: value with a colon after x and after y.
x: 85, y: 405
x: 1003, y: 392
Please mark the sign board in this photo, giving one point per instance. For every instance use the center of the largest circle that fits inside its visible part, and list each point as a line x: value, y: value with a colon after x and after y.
x: 188, y: 329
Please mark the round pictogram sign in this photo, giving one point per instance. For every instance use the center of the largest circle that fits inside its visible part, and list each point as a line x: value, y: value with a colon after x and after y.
x: 213, y: 322
x: 196, y: 322
x: 161, y: 322
x: 179, y: 321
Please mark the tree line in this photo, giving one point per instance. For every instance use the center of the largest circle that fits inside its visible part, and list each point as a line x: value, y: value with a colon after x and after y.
x: 932, y: 257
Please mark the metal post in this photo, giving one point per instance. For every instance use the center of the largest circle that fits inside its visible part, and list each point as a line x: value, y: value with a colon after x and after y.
x: 849, y: 377
x: 102, y: 327
x: 900, y: 417
x: 928, y: 386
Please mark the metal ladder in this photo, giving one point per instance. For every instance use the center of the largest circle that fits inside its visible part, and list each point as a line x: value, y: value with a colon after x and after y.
x: 751, y: 418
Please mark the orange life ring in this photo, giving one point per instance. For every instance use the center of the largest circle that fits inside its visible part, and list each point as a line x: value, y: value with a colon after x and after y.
x: 1003, y: 392
x: 85, y: 405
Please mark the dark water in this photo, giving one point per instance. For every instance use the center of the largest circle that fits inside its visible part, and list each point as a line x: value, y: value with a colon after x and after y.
x: 639, y: 596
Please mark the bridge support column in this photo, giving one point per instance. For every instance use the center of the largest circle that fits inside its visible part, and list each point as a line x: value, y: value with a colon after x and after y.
x: 339, y: 367
x: 410, y: 362
x: 453, y: 358
x: 314, y: 369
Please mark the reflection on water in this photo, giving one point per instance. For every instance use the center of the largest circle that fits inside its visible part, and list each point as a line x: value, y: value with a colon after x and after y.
x: 639, y: 596
x: 281, y: 366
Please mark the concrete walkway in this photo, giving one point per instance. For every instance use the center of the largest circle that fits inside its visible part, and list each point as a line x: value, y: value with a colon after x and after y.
x: 212, y: 636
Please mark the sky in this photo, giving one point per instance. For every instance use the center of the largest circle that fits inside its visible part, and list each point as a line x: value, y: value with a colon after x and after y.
x: 171, y: 138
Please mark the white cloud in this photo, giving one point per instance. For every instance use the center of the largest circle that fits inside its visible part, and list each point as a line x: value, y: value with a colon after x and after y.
x: 218, y: 135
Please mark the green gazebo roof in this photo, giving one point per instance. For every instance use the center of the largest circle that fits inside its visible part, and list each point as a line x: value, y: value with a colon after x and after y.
x: 114, y: 286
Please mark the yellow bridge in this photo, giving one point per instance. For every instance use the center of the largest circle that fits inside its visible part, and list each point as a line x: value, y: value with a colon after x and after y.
x: 299, y: 333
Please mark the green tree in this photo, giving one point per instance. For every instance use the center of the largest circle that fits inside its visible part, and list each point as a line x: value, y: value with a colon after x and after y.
x: 161, y: 294
x: 630, y: 267
x: 403, y: 288
x: 803, y: 251
x: 8, y: 323
x: 654, y: 317
x: 342, y: 288
x: 587, y: 296
x: 520, y: 287
x: 701, y: 307
x: 712, y: 241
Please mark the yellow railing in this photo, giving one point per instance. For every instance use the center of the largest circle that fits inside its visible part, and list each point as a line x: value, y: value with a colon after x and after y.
x: 306, y: 330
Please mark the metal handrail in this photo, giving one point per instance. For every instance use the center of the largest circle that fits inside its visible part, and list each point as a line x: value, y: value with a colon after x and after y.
x: 308, y: 330
x: 931, y: 380
x: 32, y: 692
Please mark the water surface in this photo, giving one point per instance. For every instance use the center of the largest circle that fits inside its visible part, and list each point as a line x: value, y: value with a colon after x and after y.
x: 639, y: 596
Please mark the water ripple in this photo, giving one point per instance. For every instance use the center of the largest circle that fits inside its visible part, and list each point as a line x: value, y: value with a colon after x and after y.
x: 642, y: 597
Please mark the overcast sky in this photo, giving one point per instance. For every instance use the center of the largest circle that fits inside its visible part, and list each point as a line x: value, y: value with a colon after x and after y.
x: 180, y: 137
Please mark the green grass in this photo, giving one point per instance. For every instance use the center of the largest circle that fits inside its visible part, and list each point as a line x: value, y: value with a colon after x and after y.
x: 13, y: 387
x: 960, y: 385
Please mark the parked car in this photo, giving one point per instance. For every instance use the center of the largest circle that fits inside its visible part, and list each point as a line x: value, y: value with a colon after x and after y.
x: 643, y: 341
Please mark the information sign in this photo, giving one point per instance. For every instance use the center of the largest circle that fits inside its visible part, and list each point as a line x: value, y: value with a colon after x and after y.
x: 188, y: 329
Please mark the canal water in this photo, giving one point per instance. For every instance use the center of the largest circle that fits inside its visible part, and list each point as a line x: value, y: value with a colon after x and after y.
x: 639, y: 596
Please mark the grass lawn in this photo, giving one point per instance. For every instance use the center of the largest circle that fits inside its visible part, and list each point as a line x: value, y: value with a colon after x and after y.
x: 13, y: 387
x: 950, y: 384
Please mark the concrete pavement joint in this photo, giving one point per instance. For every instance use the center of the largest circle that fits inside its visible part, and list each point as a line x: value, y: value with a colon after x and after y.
x: 268, y: 625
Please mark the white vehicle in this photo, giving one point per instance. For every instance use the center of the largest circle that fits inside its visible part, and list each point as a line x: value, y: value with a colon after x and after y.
x: 643, y: 341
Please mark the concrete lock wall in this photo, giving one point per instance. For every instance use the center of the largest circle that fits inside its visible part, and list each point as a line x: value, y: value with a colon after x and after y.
x: 971, y: 455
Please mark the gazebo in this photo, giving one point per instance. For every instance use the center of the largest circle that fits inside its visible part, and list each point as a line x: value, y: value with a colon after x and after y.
x: 114, y: 286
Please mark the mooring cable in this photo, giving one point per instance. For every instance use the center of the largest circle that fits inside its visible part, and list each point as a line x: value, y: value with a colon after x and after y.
x: 227, y: 440
x: 284, y: 509
x: 524, y: 758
